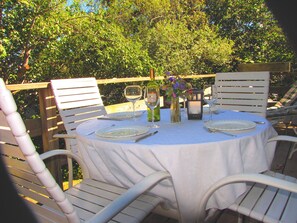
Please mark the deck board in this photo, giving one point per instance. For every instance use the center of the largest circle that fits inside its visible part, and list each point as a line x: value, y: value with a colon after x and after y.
x: 281, y: 164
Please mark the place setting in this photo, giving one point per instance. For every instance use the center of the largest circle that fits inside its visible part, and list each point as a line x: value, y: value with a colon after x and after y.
x: 117, y: 131
x: 230, y: 127
x: 132, y: 133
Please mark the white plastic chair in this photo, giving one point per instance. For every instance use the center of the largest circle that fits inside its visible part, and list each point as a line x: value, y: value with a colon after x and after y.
x: 270, y: 197
x: 243, y: 91
x: 88, y: 201
x: 77, y: 100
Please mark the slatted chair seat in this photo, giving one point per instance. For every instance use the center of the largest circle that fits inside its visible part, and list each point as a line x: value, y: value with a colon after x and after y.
x: 270, y: 197
x: 88, y: 201
x: 243, y: 91
x: 91, y: 196
x: 266, y: 203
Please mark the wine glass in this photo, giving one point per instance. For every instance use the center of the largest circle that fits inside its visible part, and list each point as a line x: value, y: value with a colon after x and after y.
x: 152, y: 100
x: 211, y: 98
x: 184, y: 97
x: 133, y: 93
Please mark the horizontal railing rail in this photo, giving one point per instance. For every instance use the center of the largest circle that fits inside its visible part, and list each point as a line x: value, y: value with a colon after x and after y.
x: 42, y: 85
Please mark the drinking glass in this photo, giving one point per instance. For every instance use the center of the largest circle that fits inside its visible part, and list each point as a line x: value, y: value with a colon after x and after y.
x: 184, y: 97
x: 152, y: 100
x: 133, y: 93
x: 211, y: 99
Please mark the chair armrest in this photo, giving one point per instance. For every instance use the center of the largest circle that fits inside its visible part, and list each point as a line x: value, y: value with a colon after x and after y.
x: 283, y: 138
x: 65, y: 136
x: 241, y: 178
x: 129, y: 196
x: 279, y: 111
x: 69, y: 154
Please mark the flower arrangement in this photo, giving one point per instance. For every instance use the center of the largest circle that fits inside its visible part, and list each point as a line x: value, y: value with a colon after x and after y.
x: 175, y: 86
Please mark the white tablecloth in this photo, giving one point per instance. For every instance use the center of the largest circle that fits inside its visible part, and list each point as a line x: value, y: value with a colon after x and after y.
x: 195, y: 158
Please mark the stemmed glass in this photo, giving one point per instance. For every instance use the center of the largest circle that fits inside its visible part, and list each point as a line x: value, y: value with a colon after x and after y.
x: 184, y: 97
x: 211, y: 99
x: 152, y: 99
x: 133, y: 93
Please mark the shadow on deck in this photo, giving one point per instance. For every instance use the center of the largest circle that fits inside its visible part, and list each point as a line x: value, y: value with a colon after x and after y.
x: 281, y: 164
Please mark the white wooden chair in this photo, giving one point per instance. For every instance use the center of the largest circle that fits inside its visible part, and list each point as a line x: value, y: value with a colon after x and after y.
x: 77, y: 100
x: 243, y: 91
x: 270, y: 197
x: 88, y: 201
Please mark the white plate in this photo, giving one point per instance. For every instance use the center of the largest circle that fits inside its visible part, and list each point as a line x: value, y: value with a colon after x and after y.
x: 122, y: 132
x: 230, y: 125
x: 124, y: 115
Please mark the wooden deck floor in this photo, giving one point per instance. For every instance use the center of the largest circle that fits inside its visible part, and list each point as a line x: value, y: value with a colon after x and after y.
x: 281, y: 163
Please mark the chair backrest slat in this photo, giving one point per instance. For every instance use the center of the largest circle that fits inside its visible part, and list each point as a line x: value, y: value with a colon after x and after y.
x: 76, y: 101
x: 36, y: 198
x: 10, y: 150
x: 93, y: 110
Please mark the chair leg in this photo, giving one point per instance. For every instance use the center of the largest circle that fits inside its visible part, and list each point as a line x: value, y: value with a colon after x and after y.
x: 294, y: 149
x: 240, y: 218
x: 70, y: 165
x: 244, y: 219
x: 295, y: 130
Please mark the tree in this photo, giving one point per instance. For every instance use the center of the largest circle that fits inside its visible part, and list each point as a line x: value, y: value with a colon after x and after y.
x: 256, y: 34
x: 175, y: 34
x: 27, y: 26
x: 45, y: 39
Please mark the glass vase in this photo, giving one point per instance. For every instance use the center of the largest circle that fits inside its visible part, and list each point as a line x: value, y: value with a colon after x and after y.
x: 175, y: 110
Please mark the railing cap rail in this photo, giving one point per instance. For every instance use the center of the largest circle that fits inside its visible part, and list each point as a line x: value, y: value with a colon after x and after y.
x: 43, y: 85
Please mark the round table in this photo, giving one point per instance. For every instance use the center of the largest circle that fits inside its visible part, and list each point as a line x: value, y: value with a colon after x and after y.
x: 193, y: 156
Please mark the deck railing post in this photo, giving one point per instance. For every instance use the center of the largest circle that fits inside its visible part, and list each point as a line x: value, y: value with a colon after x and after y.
x: 49, y: 125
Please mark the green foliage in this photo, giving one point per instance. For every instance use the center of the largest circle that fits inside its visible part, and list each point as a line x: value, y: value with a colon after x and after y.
x: 27, y: 27
x: 77, y: 172
x: 50, y: 39
x: 251, y: 26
